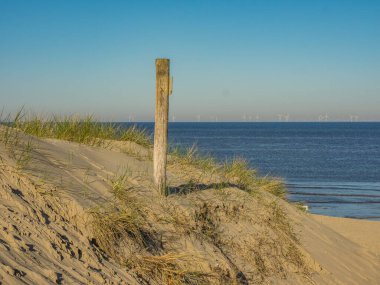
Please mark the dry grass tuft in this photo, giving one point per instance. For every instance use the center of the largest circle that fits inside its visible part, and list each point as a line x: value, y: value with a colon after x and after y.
x: 280, y: 223
x: 139, y: 154
x: 170, y: 268
x: 206, y: 224
x: 110, y: 225
x: 119, y: 186
x: 117, y: 226
x: 121, y: 229
x: 191, y: 157
x: 22, y: 153
x: 272, y: 185
x: 122, y: 220
x: 238, y: 172
x: 19, y: 147
x: 137, y: 135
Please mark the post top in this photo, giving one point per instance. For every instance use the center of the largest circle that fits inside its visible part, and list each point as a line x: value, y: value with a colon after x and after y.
x: 162, y: 67
x: 162, y: 59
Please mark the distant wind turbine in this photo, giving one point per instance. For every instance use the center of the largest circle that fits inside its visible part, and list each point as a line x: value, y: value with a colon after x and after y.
x: 354, y: 118
x: 323, y: 117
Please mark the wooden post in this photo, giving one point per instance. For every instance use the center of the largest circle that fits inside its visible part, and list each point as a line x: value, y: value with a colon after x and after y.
x: 161, y: 123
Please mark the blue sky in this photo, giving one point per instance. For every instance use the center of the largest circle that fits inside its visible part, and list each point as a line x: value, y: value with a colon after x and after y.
x: 229, y: 59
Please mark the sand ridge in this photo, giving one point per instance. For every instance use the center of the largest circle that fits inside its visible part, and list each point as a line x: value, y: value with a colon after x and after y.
x: 46, y: 235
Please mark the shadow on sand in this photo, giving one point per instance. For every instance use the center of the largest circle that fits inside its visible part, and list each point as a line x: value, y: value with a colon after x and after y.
x: 191, y: 187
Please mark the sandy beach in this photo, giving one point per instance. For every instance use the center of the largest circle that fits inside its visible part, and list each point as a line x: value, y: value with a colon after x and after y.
x: 362, y: 232
x: 79, y: 214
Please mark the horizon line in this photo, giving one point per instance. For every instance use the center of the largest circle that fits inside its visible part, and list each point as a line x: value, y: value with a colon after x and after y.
x: 322, y: 122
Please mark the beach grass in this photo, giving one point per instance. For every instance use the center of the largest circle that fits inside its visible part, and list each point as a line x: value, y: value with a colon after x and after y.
x: 87, y: 130
x: 121, y: 229
x: 76, y: 128
x: 20, y: 149
x: 235, y: 171
x: 190, y: 156
x: 169, y: 268
x: 135, y: 232
x: 111, y: 223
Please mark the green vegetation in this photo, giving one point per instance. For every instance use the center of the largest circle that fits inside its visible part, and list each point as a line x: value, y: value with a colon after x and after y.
x: 119, y: 186
x: 121, y: 229
x: 135, y: 134
x: 190, y: 156
x: 238, y: 172
x: 23, y: 154
x: 87, y: 130
x: 80, y: 129
x: 121, y: 217
x: 138, y: 233
x: 19, y: 148
x: 233, y: 172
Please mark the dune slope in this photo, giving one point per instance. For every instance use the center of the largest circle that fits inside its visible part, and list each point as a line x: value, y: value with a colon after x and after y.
x: 76, y: 214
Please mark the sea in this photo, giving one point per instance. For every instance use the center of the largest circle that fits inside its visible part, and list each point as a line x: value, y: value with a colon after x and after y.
x: 334, y: 168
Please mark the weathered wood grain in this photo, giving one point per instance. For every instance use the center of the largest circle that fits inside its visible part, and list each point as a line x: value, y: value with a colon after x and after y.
x: 161, y: 123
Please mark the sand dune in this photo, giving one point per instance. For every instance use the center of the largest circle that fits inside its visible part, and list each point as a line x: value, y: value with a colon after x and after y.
x: 52, y: 226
